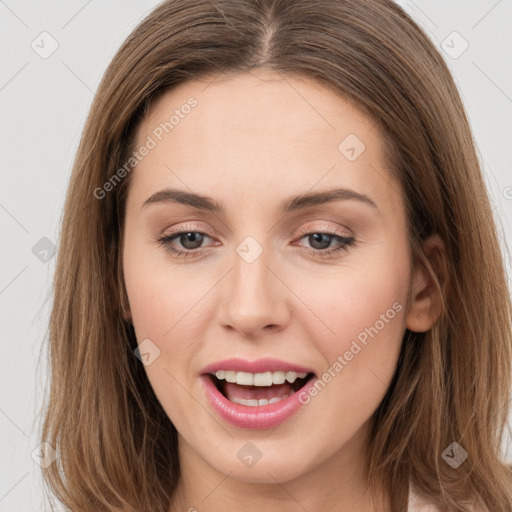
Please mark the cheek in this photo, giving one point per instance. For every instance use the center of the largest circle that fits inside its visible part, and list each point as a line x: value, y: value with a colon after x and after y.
x: 170, y: 313
x: 170, y: 306
x: 164, y: 308
x: 368, y: 312
x: 363, y: 312
x: 358, y: 295
x: 159, y: 295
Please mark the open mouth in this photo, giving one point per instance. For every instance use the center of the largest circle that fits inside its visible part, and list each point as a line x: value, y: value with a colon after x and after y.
x: 258, y: 389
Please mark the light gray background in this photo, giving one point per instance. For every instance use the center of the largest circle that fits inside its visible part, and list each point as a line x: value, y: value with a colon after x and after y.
x: 44, y: 103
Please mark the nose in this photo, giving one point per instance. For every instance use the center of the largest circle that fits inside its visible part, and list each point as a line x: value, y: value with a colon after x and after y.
x: 254, y: 299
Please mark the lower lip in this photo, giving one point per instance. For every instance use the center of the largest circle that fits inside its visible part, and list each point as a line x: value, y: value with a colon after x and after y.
x: 258, y: 417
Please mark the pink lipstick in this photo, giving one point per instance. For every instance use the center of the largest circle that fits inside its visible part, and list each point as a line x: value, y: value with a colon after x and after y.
x: 256, y: 394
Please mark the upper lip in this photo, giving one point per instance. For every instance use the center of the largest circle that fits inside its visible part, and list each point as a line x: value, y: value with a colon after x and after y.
x: 258, y: 366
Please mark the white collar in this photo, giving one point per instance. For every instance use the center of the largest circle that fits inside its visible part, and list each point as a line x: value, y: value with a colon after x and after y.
x: 418, y: 504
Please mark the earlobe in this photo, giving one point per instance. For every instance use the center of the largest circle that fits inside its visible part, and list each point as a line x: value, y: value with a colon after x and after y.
x: 125, y: 310
x: 426, y: 300
x: 126, y: 313
x: 127, y: 316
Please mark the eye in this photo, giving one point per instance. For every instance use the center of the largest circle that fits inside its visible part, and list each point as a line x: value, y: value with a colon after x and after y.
x: 321, y: 240
x: 191, y: 242
x: 189, y: 239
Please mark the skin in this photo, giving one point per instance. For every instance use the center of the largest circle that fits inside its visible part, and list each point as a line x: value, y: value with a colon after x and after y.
x: 253, y: 141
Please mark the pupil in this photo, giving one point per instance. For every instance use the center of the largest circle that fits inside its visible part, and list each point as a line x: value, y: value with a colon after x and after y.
x: 189, y: 237
x: 318, y: 237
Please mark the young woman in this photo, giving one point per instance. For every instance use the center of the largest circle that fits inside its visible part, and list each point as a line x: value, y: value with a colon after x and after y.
x: 279, y: 284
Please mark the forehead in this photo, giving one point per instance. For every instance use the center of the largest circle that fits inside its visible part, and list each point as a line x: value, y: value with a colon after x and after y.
x: 259, y: 101
x: 259, y: 132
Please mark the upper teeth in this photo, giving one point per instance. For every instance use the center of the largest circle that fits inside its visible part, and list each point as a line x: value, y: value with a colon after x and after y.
x: 259, y: 379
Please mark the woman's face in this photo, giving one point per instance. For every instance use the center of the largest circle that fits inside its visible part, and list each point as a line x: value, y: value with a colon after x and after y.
x: 302, y: 264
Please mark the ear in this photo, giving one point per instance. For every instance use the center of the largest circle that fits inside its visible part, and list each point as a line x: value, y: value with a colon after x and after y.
x: 123, y: 301
x: 426, y: 301
x: 127, y: 316
x: 123, y: 296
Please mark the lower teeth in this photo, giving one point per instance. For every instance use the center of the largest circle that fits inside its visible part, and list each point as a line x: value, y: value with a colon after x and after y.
x: 256, y: 403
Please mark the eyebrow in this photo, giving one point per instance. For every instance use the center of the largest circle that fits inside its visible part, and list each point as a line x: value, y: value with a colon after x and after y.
x: 300, y: 202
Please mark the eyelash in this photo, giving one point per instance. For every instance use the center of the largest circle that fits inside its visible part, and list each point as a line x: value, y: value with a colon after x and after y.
x: 345, y: 241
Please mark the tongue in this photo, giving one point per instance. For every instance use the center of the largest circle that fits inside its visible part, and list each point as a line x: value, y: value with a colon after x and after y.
x: 233, y: 390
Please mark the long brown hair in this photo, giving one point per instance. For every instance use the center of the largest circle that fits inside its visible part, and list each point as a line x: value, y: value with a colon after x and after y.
x: 117, y: 447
